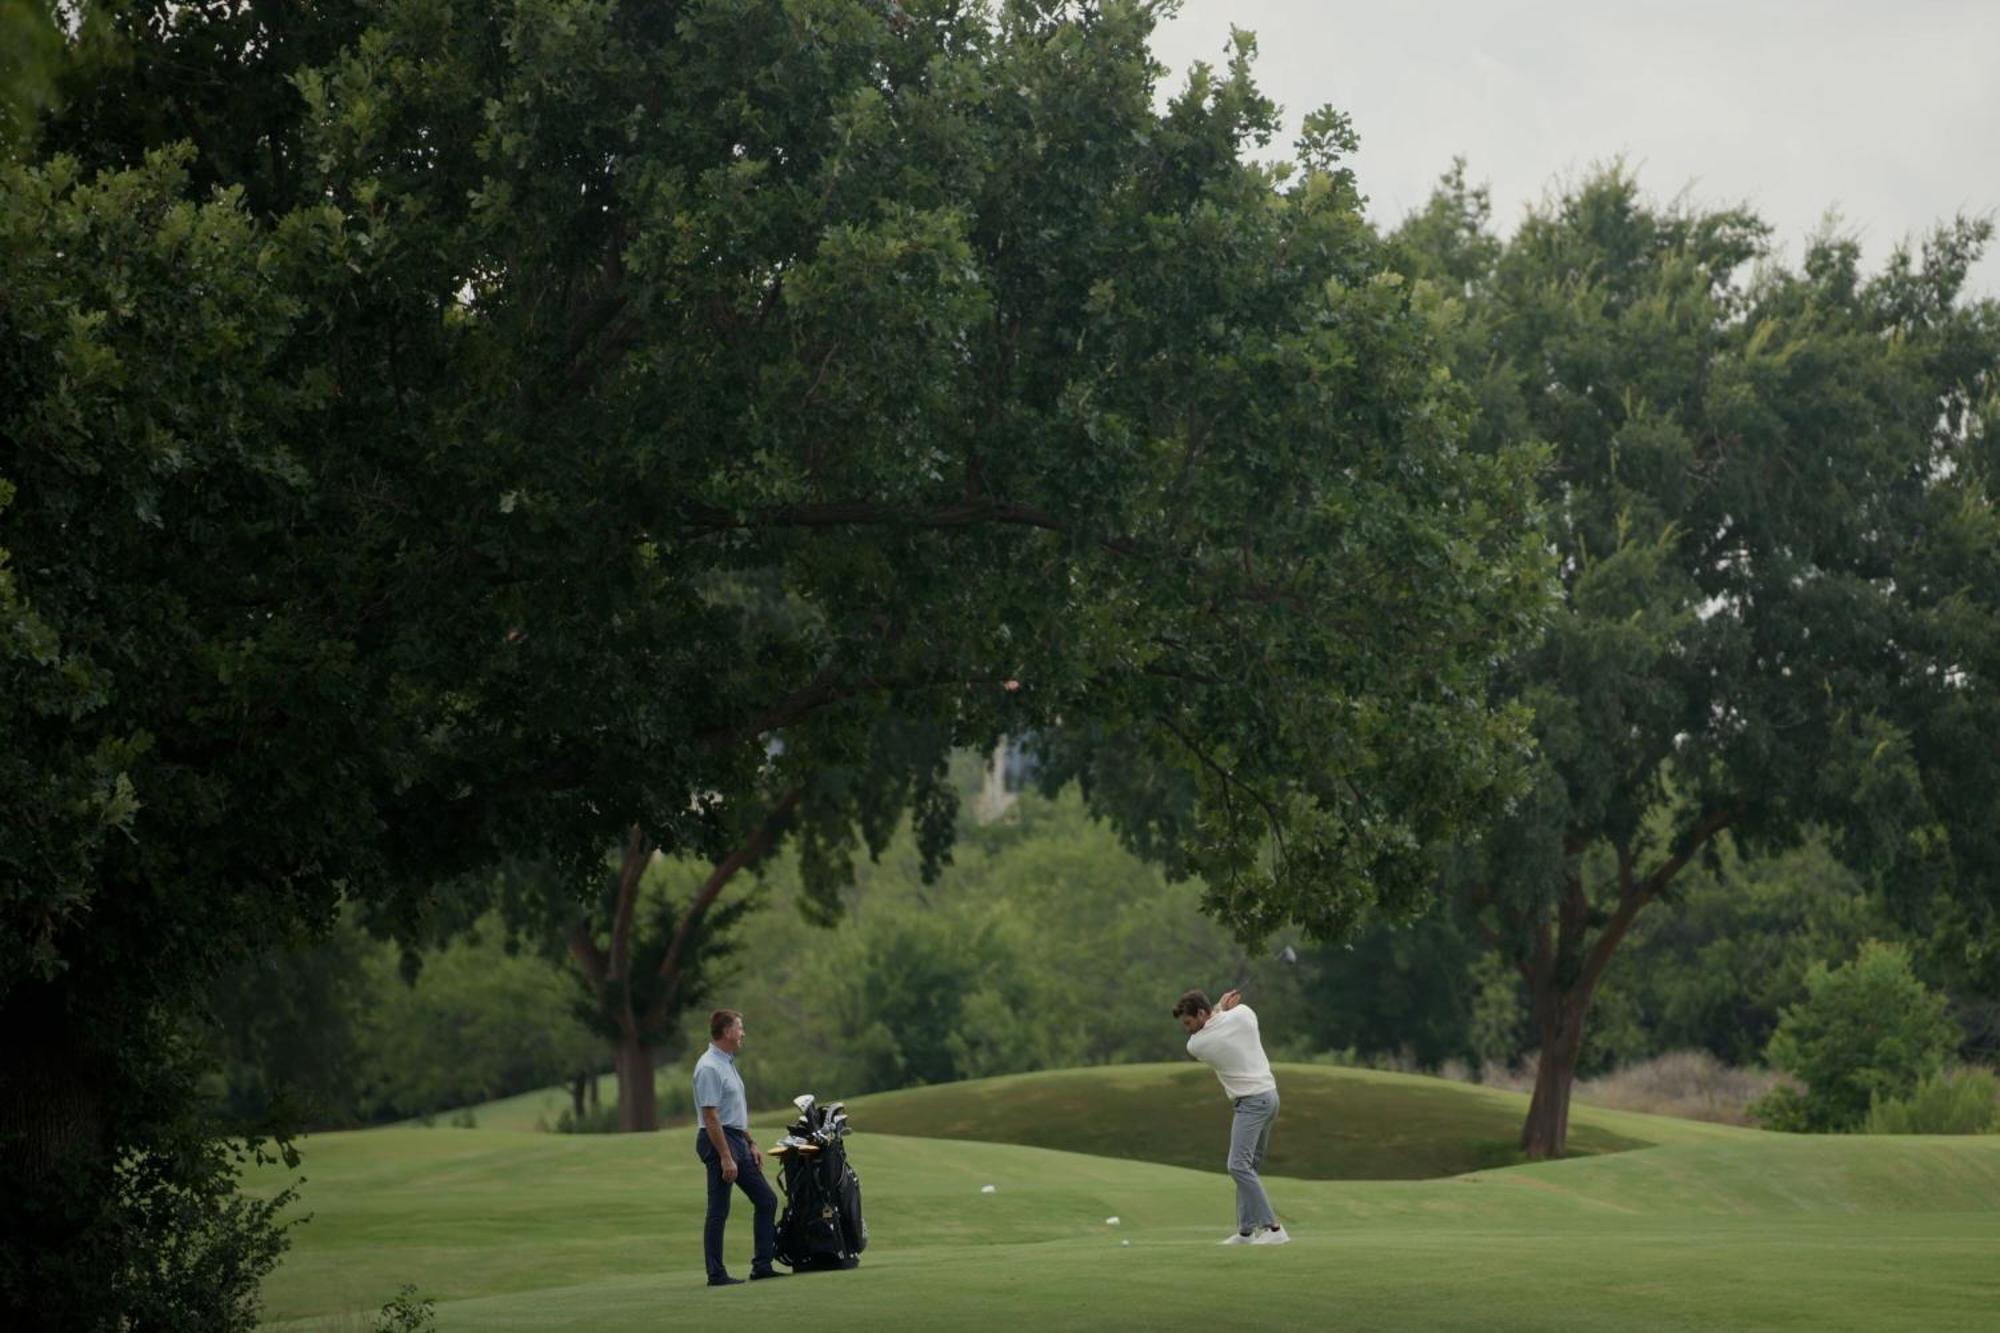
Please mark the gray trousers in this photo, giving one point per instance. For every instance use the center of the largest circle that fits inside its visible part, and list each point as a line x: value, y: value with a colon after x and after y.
x: 1249, y: 1139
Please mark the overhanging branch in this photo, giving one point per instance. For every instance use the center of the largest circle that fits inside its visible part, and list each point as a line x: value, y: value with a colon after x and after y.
x: 758, y: 843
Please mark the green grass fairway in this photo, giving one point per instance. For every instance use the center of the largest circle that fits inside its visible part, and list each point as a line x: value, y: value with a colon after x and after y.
x: 1713, y: 1228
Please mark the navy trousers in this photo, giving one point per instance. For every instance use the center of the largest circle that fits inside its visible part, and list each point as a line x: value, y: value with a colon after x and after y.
x: 749, y: 1179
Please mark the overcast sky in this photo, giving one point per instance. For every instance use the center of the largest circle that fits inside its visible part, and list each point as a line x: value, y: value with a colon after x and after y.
x: 1885, y: 110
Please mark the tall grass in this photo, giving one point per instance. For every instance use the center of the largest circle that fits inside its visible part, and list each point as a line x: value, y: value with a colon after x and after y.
x: 1693, y: 1085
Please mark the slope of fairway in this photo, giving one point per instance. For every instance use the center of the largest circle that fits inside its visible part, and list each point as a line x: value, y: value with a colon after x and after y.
x: 537, y: 1231
x: 1335, y: 1124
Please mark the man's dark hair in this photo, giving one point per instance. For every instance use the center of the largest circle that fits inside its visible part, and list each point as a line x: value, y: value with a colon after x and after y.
x: 1193, y: 1002
x: 719, y: 1021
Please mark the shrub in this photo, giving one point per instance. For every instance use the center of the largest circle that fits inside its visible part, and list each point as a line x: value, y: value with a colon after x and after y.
x: 1963, y: 1102
x: 406, y: 1312
x: 1868, y: 1031
x: 596, y: 1120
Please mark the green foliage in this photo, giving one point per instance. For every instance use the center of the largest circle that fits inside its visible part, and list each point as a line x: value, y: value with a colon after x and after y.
x: 708, y: 957
x: 288, y: 1027
x: 347, y: 1030
x: 406, y: 1312
x: 475, y: 1023
x: 1771, y: 496
x: 1964, y: 1101
x: 30, y: 51
x: 437, y: 434
x: 1425, y: 992
x: 1716, y: 971
x: 1044, y: 945
x: 1866, y: 1031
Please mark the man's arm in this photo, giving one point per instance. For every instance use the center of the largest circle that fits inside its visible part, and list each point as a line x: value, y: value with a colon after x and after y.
x: 1230, y: 999
x: 712, y: 1122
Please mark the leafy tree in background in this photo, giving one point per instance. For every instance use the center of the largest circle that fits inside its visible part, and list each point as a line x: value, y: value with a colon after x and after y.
x: 1717, y: 971
x: 479, y: 1021
x: 30, y: 55
x: 1772, y: 499
x: 287, y: 1025
x: 1866, y: 1032
x: 1046, y: 944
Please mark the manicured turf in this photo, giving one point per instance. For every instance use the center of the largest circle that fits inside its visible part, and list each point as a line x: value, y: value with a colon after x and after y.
x: 1335, y: 1124
x: 1714, y: 1228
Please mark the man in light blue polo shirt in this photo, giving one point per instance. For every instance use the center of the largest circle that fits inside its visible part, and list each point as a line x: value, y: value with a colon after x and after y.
x: 723, y: 1143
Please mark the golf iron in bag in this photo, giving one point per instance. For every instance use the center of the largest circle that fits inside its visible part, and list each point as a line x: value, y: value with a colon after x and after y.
x: 821, y: 1226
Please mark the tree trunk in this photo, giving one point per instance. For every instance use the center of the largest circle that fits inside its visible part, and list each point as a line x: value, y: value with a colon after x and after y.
x: 576, y: 1095
x: 638, y: 1106
x: 1545, y: 1134
x: 53, y: 1113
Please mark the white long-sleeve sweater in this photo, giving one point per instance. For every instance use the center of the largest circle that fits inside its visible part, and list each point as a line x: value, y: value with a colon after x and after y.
x: 1229, y: 1044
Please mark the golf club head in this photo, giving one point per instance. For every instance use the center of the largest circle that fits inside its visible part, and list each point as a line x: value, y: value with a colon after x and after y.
x: 804, y: 1101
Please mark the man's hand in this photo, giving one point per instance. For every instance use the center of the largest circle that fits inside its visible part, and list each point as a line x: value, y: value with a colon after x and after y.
x: 729, y: 1166
x: 1230, y: 999
x: 757, y: 1156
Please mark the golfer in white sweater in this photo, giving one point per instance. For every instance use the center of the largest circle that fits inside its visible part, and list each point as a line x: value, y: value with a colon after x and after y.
x: 1224, y: 1037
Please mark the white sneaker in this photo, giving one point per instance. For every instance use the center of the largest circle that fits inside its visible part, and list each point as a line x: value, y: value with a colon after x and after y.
x: 1272, y: 1236
x: 1238, y: 1238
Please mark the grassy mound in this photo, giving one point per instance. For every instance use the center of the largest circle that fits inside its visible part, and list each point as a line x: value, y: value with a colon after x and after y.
x: 1334, y: 1124
x: 602, y: 1232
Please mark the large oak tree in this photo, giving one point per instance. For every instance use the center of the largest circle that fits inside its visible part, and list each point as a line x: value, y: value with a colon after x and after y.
x: 1772, y: 494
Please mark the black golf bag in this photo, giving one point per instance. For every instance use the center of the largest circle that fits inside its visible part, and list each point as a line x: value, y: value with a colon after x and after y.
x: 821, y: 1226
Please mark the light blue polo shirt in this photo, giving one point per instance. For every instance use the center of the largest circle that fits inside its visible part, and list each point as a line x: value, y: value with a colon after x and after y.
x: 717, y: 1084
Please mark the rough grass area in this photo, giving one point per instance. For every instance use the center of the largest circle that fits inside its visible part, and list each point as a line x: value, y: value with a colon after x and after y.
x: 1691, y: 1084
x: 1723, y: 1229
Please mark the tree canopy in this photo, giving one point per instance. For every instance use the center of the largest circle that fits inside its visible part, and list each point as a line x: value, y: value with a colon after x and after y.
x: 1771, y: 493
x: 508, y: 426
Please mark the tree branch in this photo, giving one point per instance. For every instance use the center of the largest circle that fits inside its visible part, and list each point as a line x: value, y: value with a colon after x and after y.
x: 755, y: 846
x: 1229, y: 781
x: 1711, y: 824
x: 588, y: 956
x: 1632, y: 898
x: 631, y: 869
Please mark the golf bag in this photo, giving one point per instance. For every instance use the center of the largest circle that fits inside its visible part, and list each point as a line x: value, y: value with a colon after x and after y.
x: 821, y: 1226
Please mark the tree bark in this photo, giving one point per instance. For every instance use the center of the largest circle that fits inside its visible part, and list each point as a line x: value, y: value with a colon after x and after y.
x: 1564, y: 969
x: 54, y: 1117
x: 609, y: 970
x: 638, y: 1105
x: 1545, y: 1133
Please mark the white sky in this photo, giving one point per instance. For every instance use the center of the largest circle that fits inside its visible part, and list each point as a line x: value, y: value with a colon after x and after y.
x: 1887, y: 111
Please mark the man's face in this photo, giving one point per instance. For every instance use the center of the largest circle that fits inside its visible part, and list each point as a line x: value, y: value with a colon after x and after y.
x: 1193, y: 1023
x: 732, y: 1040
